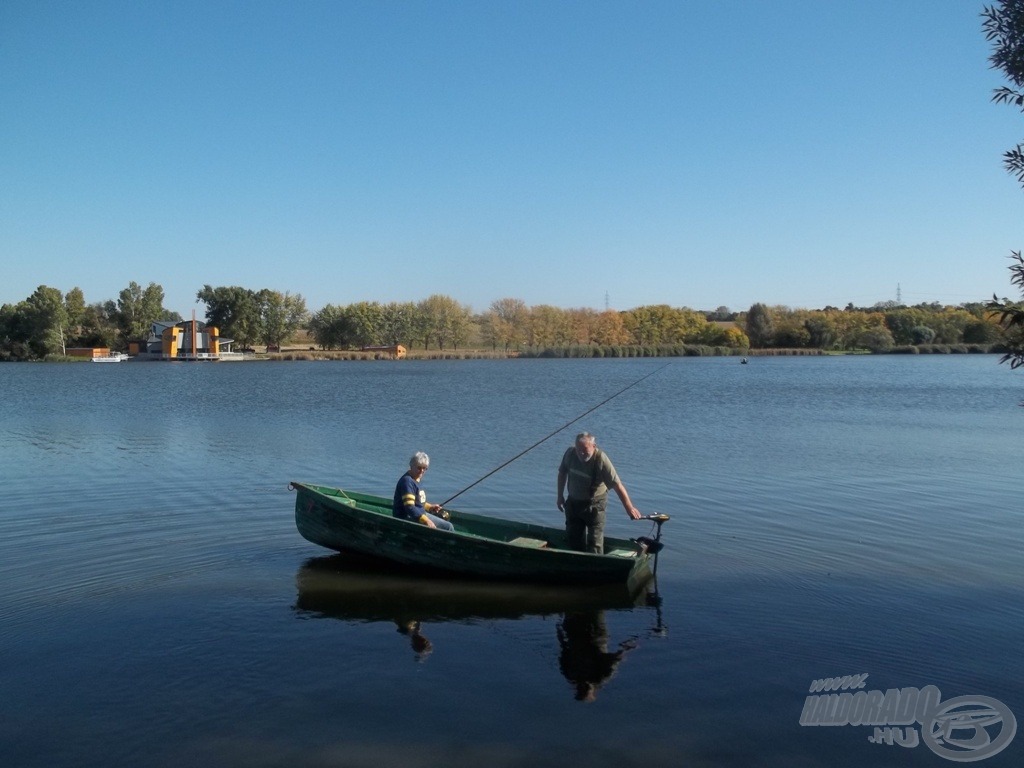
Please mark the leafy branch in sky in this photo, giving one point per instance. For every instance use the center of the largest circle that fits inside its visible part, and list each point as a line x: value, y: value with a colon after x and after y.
x: 1004, y: 29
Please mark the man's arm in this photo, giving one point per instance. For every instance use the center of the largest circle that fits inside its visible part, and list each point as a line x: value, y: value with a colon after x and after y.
x: 620, y: 491
x: 562, y: 476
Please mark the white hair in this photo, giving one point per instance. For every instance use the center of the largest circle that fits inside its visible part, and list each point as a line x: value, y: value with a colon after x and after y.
x: 419, y: 459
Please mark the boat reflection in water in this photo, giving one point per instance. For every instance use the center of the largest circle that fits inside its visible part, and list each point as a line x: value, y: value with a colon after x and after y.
x: 360, y: 589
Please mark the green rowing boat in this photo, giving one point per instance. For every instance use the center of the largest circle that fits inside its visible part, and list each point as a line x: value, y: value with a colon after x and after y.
x: 481, y: 546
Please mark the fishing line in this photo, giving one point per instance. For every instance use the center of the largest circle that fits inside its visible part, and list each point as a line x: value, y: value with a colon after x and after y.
x: 544, y: 439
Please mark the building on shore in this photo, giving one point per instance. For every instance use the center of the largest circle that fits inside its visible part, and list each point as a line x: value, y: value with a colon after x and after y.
x: 183, y: 340
x: 394, y: 351
x: 87, y: 353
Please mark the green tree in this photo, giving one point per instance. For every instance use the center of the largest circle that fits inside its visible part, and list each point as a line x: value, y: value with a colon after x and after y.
x: 921, y: 334
x: 820, y: 331
x: 15, y: 332
x: 235, y: 311
x: 1004, y: 29
x: 398, y: 323
x: 759, y: 326
x: 282, y: 314
x: 74, y: 304
x: 326, y: 326
x: 138, y: 309
x: 47, y: 321
x: 364, y: 324
x: 98, y: 326
x: 877, y: 338
x: 1011, y: 316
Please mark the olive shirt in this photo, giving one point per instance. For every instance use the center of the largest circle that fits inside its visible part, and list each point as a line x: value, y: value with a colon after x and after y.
x: 582, y: 477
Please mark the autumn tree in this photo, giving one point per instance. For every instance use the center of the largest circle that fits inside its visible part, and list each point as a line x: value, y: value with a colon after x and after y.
x: 609, y: 329
x: 505, y: 324
x: 549, y: 327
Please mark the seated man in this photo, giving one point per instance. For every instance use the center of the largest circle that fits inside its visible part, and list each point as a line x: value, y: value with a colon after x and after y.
x: 410, y: 502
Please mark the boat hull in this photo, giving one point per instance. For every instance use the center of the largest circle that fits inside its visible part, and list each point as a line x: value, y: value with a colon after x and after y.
x: 480, y: 546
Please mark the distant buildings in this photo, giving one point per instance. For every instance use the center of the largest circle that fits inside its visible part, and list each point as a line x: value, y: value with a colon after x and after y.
x: 87, y: 353
x: 183, y: 340
x: 394, y: 351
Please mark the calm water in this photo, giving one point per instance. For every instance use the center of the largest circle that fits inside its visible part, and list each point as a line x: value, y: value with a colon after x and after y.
x: 830, y: 516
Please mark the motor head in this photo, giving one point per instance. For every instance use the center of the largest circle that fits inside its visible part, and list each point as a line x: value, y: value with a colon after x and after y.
x: 649, y: 545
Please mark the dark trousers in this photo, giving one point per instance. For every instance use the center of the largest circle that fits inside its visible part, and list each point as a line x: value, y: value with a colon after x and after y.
x: 584, y: 524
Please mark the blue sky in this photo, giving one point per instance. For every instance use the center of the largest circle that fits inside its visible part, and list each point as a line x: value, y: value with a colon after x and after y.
x: 688, y: 153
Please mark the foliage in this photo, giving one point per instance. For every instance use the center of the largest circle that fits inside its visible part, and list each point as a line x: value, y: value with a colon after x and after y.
x: 505, y: 324
x: 138, y: 309
x: 235, y: 311
x: 760, y: 326
x: 281, y: 315
x: 444, y: 320
x: 1004, y: 29
x: 47, y: 320
x: 1011, y: 316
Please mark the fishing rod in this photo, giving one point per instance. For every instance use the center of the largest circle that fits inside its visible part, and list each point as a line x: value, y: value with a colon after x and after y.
x: 544, y: 439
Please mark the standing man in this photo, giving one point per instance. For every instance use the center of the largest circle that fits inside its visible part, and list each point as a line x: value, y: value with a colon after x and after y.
x: 410, y: 502
x: 589, y: 473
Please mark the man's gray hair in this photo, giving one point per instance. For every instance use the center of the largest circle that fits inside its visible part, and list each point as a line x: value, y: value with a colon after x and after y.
x: 585, y: 437
x: 419, y: 459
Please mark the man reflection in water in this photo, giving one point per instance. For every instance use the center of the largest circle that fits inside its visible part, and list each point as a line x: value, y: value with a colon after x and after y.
x: 420, y: 645
x: 585, y: 659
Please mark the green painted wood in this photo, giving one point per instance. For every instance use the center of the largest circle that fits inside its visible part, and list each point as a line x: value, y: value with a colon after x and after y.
x: 347, y: 521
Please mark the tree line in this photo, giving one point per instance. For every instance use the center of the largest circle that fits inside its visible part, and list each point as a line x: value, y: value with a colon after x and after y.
x: 48, y: 322
x: 884, y: 327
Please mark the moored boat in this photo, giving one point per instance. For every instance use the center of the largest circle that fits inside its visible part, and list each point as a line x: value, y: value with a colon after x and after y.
x: 480, y: 546
x: 113, y: 357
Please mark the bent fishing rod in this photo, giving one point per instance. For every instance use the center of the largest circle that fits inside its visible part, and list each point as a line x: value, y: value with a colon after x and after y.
x: 548, y: 437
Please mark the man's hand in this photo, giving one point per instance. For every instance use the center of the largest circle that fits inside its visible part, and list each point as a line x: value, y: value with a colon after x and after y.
x: 560, y: 504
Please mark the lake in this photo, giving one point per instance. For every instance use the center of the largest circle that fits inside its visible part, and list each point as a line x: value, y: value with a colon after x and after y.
x: 831, y: 517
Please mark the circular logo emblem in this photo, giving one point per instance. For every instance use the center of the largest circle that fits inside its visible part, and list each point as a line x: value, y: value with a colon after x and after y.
x: 969, y: 728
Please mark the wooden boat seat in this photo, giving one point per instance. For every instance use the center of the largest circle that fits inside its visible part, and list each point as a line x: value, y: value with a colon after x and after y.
x: 524, y: 541
x: 621, y: 553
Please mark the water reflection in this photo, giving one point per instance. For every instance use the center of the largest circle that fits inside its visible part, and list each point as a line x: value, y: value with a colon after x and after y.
x: 355, y: 589
x: 585, y: 659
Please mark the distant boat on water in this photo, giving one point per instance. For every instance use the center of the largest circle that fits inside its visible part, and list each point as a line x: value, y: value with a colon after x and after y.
x: 113, y: 357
